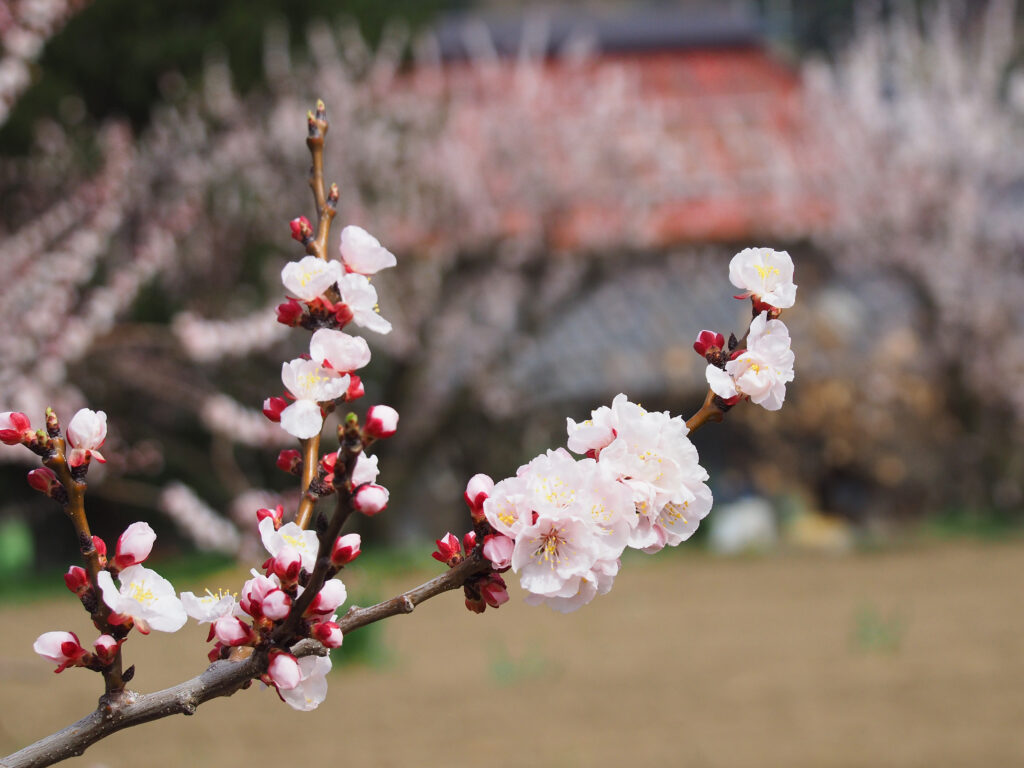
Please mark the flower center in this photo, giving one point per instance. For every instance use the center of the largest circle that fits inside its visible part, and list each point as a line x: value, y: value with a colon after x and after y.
x: 765, y: 272
x: 139, y: 592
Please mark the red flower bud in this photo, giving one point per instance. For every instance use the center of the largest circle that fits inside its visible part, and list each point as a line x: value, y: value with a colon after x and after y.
x: 290, y: 460
x: 45, y: 481
x: 469, y: 542
x: 15, y: 428
x: 301, y: 229
x: 276, y: 514
x: 289, y: 313
x: 448, y: 551
x: 708, y: 341
x: 77, y: 580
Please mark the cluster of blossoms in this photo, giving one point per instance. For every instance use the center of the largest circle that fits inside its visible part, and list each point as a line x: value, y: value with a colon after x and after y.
x: 761, y: 371
x: 562, y: 523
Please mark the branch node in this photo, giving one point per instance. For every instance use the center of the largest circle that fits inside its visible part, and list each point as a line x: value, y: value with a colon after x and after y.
x: 406, y: 604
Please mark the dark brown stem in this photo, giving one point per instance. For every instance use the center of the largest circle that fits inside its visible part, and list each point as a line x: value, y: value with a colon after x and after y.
x: 75, y: 509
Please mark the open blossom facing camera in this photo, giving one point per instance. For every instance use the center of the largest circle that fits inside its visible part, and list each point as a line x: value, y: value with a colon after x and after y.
x: 362, y: 253
x: 762, y: 371
x: 765, y: 274
x: 310, y: 277
x: 310, y: 384
x: 144, y: 596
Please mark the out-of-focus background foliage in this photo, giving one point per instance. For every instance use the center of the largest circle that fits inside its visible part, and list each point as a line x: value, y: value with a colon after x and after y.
x: 563, y: 186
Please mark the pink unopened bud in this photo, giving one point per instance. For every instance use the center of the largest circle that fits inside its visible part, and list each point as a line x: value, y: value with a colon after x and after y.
x: 272, y: 408
x: 86, y: 433
x: 469, y: 542
x: 346, y: 549
x: 45, y: 481
x: 328, y: 633
x: 77, y: 580
x: 498, y: 549
x: 493, y: 590
x: 253, y: 593
x: 301, y: 229
x: 370, y: 499
x: 290, y: 460
x: 331, y: 595
x: 105, y: 647
x: 708, y: 341
x: 276, y: 514
x: 276, y: 605
x: 231, y: 630
x: 286, y: 565
x: 62, y: 648
x: 134, y: 545
x: 283, y: 671
x: 448, y: 551
x: 381, y: 421
x: 355, y: 388
x: 478, y: 489
x: 15, y: 428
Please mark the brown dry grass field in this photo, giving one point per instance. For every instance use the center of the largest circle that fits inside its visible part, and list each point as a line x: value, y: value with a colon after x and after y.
x: 912, y: 657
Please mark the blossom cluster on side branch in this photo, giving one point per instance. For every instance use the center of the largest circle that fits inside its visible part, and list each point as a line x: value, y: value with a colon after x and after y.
x: 626, y: 478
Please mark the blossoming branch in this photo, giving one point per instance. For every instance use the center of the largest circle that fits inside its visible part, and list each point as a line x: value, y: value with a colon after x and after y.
x: 626, y: 478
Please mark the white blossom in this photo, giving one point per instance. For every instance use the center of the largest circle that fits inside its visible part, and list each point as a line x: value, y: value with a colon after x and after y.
x: 144, y: 595
x: 310, y: 383
x: 361, y: 298
x: 766, y: 274
x: 310, y: 277
x: 311, y: 689
x: 362, y: 253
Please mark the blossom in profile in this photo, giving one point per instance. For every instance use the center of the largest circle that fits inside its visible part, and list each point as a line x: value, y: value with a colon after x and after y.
x: 15, y: 427
x: 134, y: 545
x: 361, y: 299
x: 310, y: 277
x: 86, y: 433
x: 762, y: 371
x: 362, y: 253
x: 310, y: 384
x: 62, y: 648
x: 145, y: 596
x: 766, y: 275
x: 339, y: 351
x: 206, y: 609
x: 311, y: 688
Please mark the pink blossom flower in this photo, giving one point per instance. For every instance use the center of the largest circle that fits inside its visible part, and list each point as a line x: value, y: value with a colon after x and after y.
x: 310, y: 384
x: 361, y: 300
x: 144, y: 595
x: 231, y: 630
x: 86, y: 433
x: 310, y: 277
x: 62, y: 648
x: 286, y: 564
x: 478, y: 489
x: 328, y: 633
x: 209, y: 607
x: 276, y: 605
x: 77, y: 579
x: 331, y: 595
x: 284, y: 671
x: 304, y: 542
x: 762, y: 371
x: 498, y: 549
x: 362, y: 253
x: 346, y: 549
x: 311, y: 688
x: 370, y: 499
x: 765, y: 274
x: 339, y: 351
x: 134, y: 545
x: 254, y: 592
